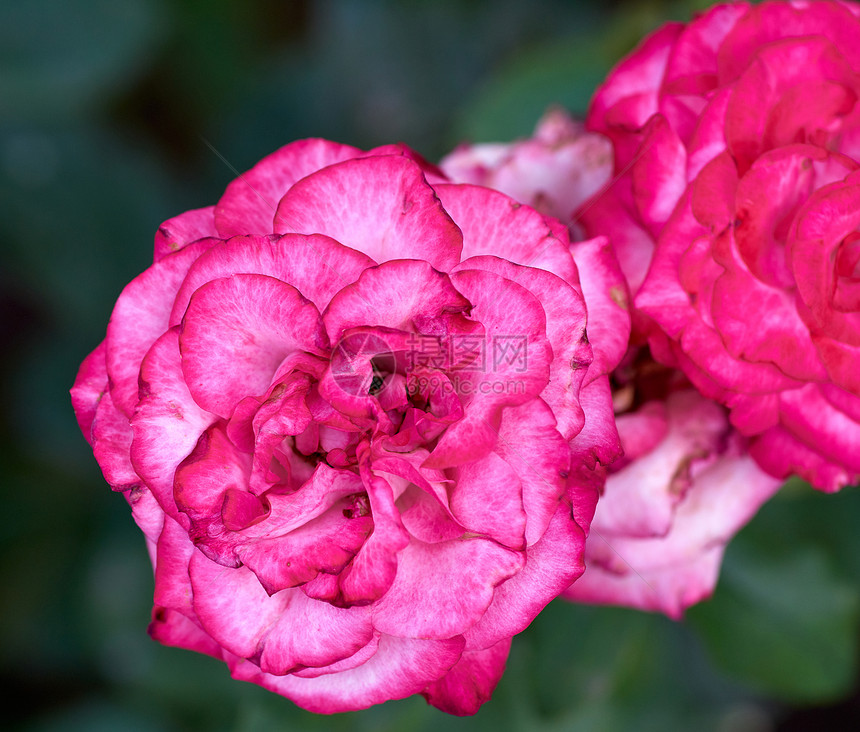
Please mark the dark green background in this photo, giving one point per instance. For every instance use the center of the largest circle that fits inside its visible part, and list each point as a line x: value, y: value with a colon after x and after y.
x: 107, y: 114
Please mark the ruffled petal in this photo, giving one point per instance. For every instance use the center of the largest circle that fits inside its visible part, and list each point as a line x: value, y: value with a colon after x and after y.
x: 382, y: 206
x: 471, y: 682
x: 180, y: 231
x: 140, y: 316
x: 235, y: 333
x: 399, y: 668
x: 249, y: 204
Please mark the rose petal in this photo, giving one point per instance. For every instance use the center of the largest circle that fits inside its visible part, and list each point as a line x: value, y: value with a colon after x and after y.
x: 180, y: 231
x: 250, y: 202
x: 471, y: 682
x: 140, y: 316
x: 400, y: 667
x: 167, y: 422
x: 456, y: 578
x: 235, y: 333
x: 316, y: 266
x: 385, y: 208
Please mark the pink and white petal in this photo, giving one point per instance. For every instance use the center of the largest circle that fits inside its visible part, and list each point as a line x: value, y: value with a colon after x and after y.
x: 557, y: 170
x: 803, y: 84
x: 815, y: 420
x: 752, y: 414
x: 140, y: 316
x: 564, y: 308
x: 111, y: 442
x: 180, y: 231
x: 359, y: 658
x: 723, y: 499
x: 425, y: 518
x: 148, y: 516
x: 315, y: 265
x: 374, y: 568
x: 111, y: 438
x: 172, y: 628
x: 551, y: 565
x: 422, y: 494
x: 706, y: 350
x: 326, y: 544
x: 641, y: 431
x: 289, y: 511
x: 468, y: 439
x: 399, y: 668
x: 823, y: 223
x: 584, y: 487
x: 673, y: 572
x: 780, y: 336
x: 768, y: 198
x: 167, y: 422
x: 382, y: 206
x: 662, y: 296
x: 203, y: 478
x: 639, y: 77
x: 598, y: 441
x: 669, y: 590
x: 608, y: 303
x: 471, y: 682
x: 403, y: 294
x: 487, y: 499
x: 781, y: 454
x: 172, y: 581
x: 493, y: 223
x: 475, y: 164
x: 233, y: 607
x: 607, y: 215
x: 846, y: 402
x: 315, y: 634
x: 640, y: 500
x: 709, y: 140
x: 90, y: 383
x: 235, y: 333
x: 515, y: 331
x: 658, y: 175
x: 530, y: 443
x: 250, y: 202
x: 451, y: 582
x: 692, y: 67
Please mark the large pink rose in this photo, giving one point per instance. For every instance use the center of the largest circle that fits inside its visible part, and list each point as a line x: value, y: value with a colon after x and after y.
x: 736, y: 138
x: 356, y: 414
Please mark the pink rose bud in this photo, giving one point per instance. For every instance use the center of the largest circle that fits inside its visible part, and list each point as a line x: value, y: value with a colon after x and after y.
x: 736, y: 141
x: 356, y: 415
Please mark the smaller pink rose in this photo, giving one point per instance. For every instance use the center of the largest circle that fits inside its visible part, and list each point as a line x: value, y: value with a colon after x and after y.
x: 736, y: 141
x: 685, y: 486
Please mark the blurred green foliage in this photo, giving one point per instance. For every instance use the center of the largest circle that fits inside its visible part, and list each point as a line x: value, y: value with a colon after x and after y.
x: 106, y: 110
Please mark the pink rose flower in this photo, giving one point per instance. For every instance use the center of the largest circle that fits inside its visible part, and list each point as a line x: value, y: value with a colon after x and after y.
x: 684, y: 488
x: 356, y: 415
x: 736, y: 138
x: 554, y: 171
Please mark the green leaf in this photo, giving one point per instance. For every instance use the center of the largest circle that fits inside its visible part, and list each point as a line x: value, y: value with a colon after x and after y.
x: 785, y: 616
